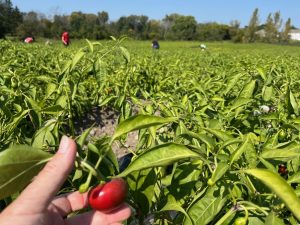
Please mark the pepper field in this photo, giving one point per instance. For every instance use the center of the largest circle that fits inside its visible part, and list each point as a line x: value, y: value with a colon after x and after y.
x: 217, y: 130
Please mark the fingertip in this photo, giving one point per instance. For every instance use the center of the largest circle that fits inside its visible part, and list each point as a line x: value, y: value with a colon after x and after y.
x: 66, y: 145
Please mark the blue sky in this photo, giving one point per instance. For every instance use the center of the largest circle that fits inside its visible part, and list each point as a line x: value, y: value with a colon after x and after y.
x: 222, y: 11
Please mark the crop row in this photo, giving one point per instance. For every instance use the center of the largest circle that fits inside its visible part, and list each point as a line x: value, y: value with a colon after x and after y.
x: 218, y: 132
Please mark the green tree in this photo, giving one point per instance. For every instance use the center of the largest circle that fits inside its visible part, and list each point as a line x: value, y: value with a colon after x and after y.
x: 235, y: 32
x: 213, y: 32
x: 30, y: 25
x: 285, y: 37
x: 154, y: 30
x: 77, y: 24
x: 46, y: 26
x: 250, y: 32
x: 59, y: 25
x: 103, y: 18
x: 133, y: 26
x: 269, y: 29
x: 101, y: 30
x: 179, y: 27
x: 89, y: 28
x: 277, y: 21
x: 10, y: 18
x: 272, y: 27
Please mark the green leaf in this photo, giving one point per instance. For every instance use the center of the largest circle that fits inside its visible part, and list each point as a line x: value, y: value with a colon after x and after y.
x: 65, y: 68
x: 125, y: 54
x: 251, y: 155
x: 111, y: 156
x: 172, y: 205
x: 268, y: 165
x: 294, y: 103
x: 267, y: 93
x: 113, y: 38
x: 5, y: 89
x: 291, y: 103
x: 269, y: 116
x: 295, y: 178
x: 184, y: 179
x: 161, y: 155
x: 43, y: 137
x: 239, y: 102
x: 140, y: 122
x: 220, y: 170
x: 106, y: 100
x: 101, y: 147
x: 77, y: 175
x: 142, y: 188
x: 18, y: 165
x: 100, y: 70
x: 54, y: 109
x: 82, y: 138
x: 73, y: 87
x: 262, y: 73
x: 201, y: 137
x: 62, y: 101
x: 91, y: 46
x: 280, y: 187
x: 256, y: 220
x: 34, y: 105
x: 43, y: 78
x: 206, y: 208
x: 50, y: 89
x: 283, y: 154
x: 248, y: 90
x: 15, y: 120
x: 272, y: 219
x: 237, y: 154
x: 231, y: 83
x: 76, y: 59
x: 223, y: 136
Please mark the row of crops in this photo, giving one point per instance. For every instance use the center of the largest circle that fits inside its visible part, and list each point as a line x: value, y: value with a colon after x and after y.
x: 218, y: 130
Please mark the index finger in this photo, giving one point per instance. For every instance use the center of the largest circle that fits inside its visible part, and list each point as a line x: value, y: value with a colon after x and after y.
x: 65, y: 204
x: 38, y: 195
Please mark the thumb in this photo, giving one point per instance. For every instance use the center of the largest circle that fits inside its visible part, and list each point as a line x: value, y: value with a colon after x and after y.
x: 38, y: 195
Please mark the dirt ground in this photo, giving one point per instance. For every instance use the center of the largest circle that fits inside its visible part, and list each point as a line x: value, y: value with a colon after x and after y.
x: 105, y: 121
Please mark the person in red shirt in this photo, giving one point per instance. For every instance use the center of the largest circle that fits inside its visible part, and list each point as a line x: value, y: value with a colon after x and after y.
x: 29, y: 40
x: 65, y: 38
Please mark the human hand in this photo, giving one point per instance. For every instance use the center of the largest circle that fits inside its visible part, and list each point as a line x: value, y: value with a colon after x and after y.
x: 37, y: 204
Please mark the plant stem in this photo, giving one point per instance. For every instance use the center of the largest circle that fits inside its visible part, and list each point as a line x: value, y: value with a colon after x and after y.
x: 91, y: 169
x: 226, y: 216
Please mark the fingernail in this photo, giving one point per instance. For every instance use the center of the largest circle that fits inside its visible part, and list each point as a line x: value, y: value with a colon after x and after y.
x: 64, y: 145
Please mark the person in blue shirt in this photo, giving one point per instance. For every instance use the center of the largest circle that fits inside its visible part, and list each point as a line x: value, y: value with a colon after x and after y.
x: 155, y: 44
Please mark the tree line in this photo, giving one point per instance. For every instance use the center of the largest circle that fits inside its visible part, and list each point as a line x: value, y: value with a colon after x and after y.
x: 80, y: 25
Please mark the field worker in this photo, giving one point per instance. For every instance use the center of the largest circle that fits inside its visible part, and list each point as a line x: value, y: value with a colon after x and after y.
x: 65, y: 38
x: 203, y: 47
x: 37, y: 204
x: 48, y: 42
x: 155, y: 44
x: 29, y: 40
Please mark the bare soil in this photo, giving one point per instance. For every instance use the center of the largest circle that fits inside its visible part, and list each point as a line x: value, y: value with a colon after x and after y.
x: 104, y: 122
